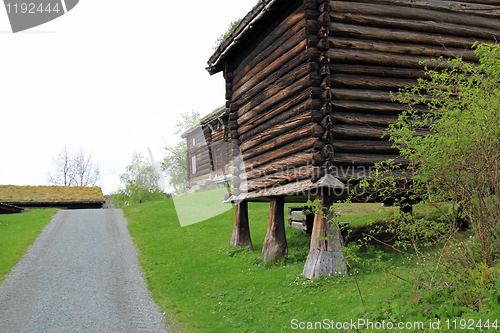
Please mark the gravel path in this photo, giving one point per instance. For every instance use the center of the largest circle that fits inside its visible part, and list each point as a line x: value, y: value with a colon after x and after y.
x: 81, y: 275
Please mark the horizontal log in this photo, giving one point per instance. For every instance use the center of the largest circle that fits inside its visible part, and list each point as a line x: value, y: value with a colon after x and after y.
x: 278, y: 178
x: 279, y: 134
x: 376, y: 59
x: 428, y: 51
x: 312, y: 27
x: 366, y: 159
x: 318, y: 160
x: 360, y: 95
x: 370, y: 82
x: 271, y: 86
x: 408, y: 10
x: 292, y: 148
x: 401, y: 36
x: 349, y: 106
x: 404, y: 73
x: 363, y: 119
x: 271, y: 97
x: 317, y: 131
x: 286, y: 163
x: 362, y: 146
x: 297, y: 64
x: 318, y: 145
x: 357, y: 132
x: 414, y: 25
x: 278, y: 114
x: 264, y: 49
x: 275, y: 61
x: 352, y: 132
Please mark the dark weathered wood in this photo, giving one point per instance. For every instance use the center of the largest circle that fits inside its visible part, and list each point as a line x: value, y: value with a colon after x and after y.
x: 367, y: 159
x: 275, y: 61
x: 360, y: 95
x: 288, y: 162
x: 291, y: 148
x: 363, y: 119
x: 402, y: 10
x: 264, y: 49
x: 317, y: 131
x: 363, y: 146
x: 325, y: 256
x: 371, y: 33
x: 369, y: 82
x: 350, y: 132
x: 428, y: 51
x: 348, y: 106
x: 275, y: 247
x: 404, y: 73
x: 279, y: 139
x: 415, y: 25
x: 289, y: 108
x: 241, y: 229
x: 298, y: 66
x: 268, y: 99
x: 375, y: 58
x: 278, y: 178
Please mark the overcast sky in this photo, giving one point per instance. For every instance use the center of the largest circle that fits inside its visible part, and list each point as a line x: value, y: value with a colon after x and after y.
x: 111, y: 77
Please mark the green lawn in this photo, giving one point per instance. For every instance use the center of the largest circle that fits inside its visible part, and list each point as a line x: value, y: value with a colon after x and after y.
x: 17, y: 233
x: 205, y: 285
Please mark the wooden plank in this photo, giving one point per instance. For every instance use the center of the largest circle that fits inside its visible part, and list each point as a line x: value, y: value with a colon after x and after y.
x: 375, y: 59
x: 361, y: 95
x: 278, y: 178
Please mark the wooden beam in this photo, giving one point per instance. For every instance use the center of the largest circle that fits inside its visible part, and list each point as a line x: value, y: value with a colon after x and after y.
x: 325, y: 256
x: 241, y: 230
x: 275, y: 247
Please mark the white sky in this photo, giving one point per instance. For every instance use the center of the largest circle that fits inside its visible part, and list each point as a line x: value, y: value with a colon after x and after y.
x: 111, y: 77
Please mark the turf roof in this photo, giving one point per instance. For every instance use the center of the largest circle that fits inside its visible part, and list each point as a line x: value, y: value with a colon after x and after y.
x: 14, y: 193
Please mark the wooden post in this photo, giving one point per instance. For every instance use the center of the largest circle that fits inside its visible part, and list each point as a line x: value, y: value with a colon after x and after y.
x: 241, y: 230
x: 275, y: 247
x: 324, y: 256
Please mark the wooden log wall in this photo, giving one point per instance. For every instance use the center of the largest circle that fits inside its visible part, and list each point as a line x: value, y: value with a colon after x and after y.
x: 276, y: 103
x: 375, y: 47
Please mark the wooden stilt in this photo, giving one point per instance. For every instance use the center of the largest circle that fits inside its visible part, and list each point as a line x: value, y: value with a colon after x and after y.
x: 275, y: 247
x: 324, y: 256
x: 241, y: 230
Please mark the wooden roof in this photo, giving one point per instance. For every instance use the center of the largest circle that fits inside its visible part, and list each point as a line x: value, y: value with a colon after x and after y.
x: 266, y: 10
x: 211, y: 116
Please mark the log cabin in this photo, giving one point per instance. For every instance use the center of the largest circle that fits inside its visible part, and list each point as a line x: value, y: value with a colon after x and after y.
x: 308, y: 99
x: 207, y: 151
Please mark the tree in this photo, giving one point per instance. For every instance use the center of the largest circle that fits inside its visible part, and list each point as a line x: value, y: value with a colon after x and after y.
x: 454, y: 168
x: 74, y: 169
x: 140, y: 182
x: 175, y: 164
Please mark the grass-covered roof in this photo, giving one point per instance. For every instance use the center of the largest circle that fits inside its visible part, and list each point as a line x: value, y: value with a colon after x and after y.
x: 14, y: 193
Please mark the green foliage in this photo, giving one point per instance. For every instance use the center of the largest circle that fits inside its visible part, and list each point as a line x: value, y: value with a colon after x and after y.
x: 175, y: 162
x: 141, y: 183
x: 17, y: 233
x: 453, y: 148
x: 226, y: 34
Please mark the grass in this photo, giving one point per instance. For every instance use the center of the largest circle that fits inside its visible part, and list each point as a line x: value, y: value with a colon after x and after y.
x: 207, y: 286
x: 13, y: 193
x: 17, y: 233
